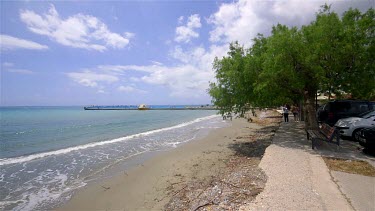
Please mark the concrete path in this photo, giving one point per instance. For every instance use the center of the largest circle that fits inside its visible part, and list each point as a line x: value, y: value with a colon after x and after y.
x: 360, y: 190
x: 298, y: 178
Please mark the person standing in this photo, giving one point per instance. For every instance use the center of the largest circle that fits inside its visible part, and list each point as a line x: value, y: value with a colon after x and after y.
x: 286, y: 113
x: 295, y: 111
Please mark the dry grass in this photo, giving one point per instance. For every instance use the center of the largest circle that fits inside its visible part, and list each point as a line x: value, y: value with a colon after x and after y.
x: 350, y: 166
x: 268, y: 117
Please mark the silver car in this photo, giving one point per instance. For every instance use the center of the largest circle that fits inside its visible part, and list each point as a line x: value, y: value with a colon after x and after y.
x: 350, y: 127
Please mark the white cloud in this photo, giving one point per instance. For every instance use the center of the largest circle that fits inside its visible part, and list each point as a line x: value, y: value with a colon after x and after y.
x: 243, y: 20
x: 156, y: 62
x: 125, y: 88
x: 191, y: 71
x: 122, y: 68
x: 8, y: 64
x: 78, y: 31
x: 189, y: 78
x: 135, y: 79
x: 130, y: 89
x: 180, y: 20
x: 20, y: 71
x: 183, y: 81
x: 11, y: 43
x: 91, y: 79
x: 129, y: 35
x: 186, y: 33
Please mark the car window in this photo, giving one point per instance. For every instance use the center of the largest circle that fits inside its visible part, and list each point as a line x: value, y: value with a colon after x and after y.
x: 358, y: 107
x: 365, y: 113
x: 341, y: 106
x: 372, y: 106
x: 363, y: 107
x: 368, y: 114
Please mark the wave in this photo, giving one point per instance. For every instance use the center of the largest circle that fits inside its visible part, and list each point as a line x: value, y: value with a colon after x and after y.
x: 21, y: 159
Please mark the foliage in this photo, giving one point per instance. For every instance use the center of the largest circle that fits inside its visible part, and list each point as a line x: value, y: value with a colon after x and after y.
x: 331, y: 55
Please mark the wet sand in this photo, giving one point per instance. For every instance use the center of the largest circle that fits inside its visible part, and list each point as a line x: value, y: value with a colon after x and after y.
x: 150, y: 186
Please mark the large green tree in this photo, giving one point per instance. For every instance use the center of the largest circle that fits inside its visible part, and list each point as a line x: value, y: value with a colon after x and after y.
x: 332, y: 55
x: 229, y: 93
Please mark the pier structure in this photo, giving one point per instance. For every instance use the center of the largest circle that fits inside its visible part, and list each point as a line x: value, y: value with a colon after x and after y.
x: 143, y: 107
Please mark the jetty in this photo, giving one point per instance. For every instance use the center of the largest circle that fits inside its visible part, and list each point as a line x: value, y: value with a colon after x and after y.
x: 144, y: 107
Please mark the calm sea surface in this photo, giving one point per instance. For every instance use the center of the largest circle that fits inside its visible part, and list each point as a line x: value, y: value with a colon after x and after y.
x: 48, y: 152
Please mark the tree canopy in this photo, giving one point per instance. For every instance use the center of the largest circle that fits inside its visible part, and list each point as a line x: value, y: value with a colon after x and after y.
x: 332, y: 54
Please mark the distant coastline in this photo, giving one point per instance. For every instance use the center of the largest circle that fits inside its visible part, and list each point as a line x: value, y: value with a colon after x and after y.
x: 153, y: 107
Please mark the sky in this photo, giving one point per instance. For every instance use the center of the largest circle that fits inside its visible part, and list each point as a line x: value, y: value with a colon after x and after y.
x: 131, y: 52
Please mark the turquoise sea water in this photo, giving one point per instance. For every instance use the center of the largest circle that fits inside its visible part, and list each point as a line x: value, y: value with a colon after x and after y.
x: 48, y: 152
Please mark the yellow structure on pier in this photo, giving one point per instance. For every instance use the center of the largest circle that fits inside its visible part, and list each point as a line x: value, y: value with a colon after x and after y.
x: 143, y: 107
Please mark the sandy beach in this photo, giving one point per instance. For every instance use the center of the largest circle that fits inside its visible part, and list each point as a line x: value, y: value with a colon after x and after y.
x: 164, y: 181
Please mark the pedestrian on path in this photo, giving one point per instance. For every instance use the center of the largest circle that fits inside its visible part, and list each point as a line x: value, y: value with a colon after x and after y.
x: 286, y: 113
x: 295, y: 111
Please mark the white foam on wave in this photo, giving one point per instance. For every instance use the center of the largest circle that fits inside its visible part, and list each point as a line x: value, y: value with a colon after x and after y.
x: 7, y: 161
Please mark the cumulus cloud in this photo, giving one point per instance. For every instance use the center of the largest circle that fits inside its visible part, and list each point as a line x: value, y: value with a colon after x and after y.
x: 129, y: 35
x: 191, y: 67
x: 180, y: 20
x: 183, y: 81
x: 156, y: 62
x: 190, y: 78
x: 186, y: 32
x: 135, y: 79
x: 20, y: 71
x: 78, y: 31
x: 12, y: 43
x: 7, y: 64
x: 121, y: 68
x: 240, y: 20
x: 130, y: 89
x: 10, y: 67
x: 243, y: 20
x: 91, y: 79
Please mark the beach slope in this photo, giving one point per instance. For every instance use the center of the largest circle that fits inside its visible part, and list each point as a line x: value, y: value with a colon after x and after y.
x: 159, y: 182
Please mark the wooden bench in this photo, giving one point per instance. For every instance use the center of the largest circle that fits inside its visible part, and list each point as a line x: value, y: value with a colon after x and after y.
x: 325, y: 133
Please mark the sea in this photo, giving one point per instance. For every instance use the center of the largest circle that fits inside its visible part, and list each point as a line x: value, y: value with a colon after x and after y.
x: 48, y: 153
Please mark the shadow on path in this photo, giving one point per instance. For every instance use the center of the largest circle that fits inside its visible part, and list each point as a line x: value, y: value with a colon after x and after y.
x: 253, y: 149
x: 293, y: 135
x: 256, y: 144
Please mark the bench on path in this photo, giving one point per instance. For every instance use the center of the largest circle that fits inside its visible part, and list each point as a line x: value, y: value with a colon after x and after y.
x: 325, y: 133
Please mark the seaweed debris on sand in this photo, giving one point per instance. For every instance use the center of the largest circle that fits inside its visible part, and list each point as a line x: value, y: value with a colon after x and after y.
x: 238, y: 183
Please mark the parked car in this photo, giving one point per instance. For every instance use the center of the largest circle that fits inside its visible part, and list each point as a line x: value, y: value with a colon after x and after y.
x: 351, y: 127
x: 334, y: 110
x: 367, y: 138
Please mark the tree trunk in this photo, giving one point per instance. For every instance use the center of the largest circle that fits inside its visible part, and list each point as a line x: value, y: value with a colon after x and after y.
x: 310, y: 112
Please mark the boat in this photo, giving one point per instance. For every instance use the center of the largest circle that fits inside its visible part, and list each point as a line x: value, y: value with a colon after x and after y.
x: 143, y: 107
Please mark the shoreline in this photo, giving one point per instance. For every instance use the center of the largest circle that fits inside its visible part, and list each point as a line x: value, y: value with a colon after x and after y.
x: 30, y: 157
x: 154, y: 183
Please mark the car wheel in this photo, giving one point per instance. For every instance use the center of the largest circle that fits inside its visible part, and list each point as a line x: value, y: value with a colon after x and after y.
x: 356, y: 134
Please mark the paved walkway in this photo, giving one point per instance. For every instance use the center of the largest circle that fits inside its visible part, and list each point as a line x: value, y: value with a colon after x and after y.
x: 298, y: 178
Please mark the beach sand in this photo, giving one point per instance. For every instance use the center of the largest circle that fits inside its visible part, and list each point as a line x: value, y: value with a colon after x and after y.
x: 162, y: 179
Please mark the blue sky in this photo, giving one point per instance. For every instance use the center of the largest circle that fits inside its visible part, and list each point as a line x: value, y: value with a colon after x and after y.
x: 130, y: 52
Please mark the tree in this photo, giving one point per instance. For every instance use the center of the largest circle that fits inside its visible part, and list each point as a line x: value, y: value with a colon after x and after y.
x: 359, y: 48
x: 230, y: 92
x: 329, y: 55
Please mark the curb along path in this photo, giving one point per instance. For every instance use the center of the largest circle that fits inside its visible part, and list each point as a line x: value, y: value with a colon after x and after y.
x: 298, y: 178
